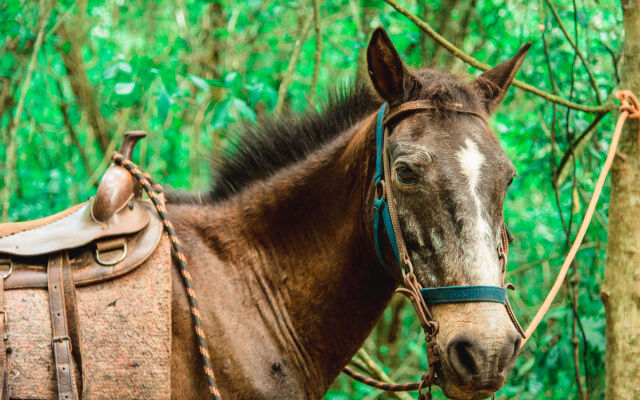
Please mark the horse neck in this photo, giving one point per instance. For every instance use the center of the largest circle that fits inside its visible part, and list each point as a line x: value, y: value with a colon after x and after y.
x: 312, y: 228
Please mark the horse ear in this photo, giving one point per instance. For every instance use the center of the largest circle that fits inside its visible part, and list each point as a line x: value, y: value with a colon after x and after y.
x: 494, y: 83
x: 386, y: 69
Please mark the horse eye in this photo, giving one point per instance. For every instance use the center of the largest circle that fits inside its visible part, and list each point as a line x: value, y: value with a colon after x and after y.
x: 405, y: 175
x: 510, y: 181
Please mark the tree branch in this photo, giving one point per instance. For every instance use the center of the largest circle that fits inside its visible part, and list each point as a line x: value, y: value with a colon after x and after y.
x: 577, y: 148
x: 604, y: 108
x: 293, y: 61
x: 80, y: 85
x: 379, y: 374
x: 60, y: 21
x: 462, y: 33
x: 525, y: 267
x: 575, y: 341
x: 552, y: 136
x: 10, y: 172
x: 318, y: 52
x: 72, y: 132
x: 576, y: 49
x: 615, y: 60
x: 443, y: 25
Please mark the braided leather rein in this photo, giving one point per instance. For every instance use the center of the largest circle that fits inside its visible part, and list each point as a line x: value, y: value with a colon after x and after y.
x: 154, y: 191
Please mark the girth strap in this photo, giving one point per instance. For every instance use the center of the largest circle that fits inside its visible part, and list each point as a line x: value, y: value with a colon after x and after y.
x: 73, y: 325
x: 64, y: 325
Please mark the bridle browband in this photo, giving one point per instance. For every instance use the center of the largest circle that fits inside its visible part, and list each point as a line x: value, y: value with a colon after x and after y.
x: 385, y: 210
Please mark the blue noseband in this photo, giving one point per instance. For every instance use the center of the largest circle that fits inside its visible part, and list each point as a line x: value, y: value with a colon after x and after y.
x: 451, y: 294
x: 465, y: 294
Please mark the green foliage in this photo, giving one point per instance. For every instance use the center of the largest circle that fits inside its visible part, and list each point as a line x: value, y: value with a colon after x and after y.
x: 186, y: 71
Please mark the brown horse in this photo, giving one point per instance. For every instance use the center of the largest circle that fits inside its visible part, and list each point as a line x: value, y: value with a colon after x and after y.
x: 282, y: 249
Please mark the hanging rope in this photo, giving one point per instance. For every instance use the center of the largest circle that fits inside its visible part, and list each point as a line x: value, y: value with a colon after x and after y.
x: 153, y: 189
x: 630, y: 108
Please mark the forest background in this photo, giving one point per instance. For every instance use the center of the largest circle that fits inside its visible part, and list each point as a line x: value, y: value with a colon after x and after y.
x: 75, y: 75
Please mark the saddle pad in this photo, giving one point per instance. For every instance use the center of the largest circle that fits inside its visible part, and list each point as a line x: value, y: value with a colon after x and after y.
x: 125, y: 326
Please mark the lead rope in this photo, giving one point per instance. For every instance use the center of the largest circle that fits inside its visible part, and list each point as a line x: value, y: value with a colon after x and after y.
x: 629, y: 108
x: 152, y: 189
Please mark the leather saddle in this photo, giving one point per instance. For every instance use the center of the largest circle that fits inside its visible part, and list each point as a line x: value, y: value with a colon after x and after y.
x: 101, y: 239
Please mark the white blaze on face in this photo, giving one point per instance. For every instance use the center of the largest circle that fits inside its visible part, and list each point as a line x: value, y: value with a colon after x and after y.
x: 479, y: 257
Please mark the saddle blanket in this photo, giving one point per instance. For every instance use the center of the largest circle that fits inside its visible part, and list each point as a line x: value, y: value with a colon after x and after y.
x: 125, y: 326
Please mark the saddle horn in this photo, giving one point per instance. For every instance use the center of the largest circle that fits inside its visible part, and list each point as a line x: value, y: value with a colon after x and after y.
x: 129, y: 142
x: 117, y: 187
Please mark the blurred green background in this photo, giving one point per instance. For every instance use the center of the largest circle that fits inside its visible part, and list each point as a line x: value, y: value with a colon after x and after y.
x: 74, y: 75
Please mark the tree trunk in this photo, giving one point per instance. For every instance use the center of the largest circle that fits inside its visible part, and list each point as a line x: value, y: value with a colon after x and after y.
x: 362, y: 12
x: 77, y: 74
x: 621, y: 287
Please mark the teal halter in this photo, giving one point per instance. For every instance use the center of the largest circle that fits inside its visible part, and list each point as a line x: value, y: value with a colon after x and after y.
x: 450, y: 294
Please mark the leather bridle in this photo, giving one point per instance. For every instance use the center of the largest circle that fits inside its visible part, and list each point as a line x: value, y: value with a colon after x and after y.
x: 385, y: 211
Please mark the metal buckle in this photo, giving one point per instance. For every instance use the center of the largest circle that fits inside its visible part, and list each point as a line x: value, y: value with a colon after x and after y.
x: 114, y: 262
x: 6, y: 261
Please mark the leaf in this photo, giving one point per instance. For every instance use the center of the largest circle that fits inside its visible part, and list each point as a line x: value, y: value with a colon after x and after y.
x: 113, y: 70
x: 216, y: 83
x: 66, y: 47
x: 233, y: 81
x: 255, y: 91
x: 220, y: 113
x: 169, y: 81
x: 163, y: 103
x: 230, y: 78
x: 243, y: 109
x: 124, y: 88
x: 110, y: 72
x: 272, y: 96
x: 124, y: 67
x: 199, y: 82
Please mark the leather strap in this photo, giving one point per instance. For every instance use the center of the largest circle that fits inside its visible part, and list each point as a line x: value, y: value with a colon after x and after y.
x: 503, y: 254
x: 61, y: 342
x: 72, y: 322
x: 411, y: 107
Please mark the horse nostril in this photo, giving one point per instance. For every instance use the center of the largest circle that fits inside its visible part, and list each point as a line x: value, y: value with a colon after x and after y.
x: 509, y: 353
x: 462, y: 352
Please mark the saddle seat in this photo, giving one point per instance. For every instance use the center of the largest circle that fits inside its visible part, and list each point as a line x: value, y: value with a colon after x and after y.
x: 97, y: 251
x: 15, y: 227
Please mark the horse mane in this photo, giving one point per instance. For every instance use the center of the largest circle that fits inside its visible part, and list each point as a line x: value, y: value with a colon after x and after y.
x: 259, y: 149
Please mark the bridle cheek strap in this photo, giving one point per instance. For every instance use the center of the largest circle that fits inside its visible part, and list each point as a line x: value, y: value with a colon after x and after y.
x: 380, y: 205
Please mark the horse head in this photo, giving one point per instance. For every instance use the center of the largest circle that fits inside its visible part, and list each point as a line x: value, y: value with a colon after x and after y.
x: 449, y: 178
